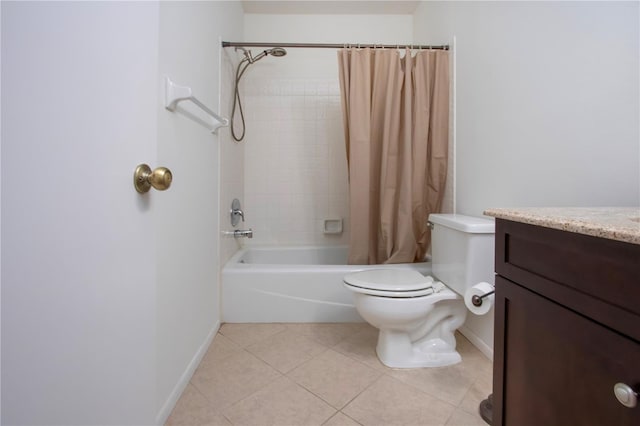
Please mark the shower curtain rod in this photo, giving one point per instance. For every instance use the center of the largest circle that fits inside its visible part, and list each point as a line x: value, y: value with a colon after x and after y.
x: 334, y: 46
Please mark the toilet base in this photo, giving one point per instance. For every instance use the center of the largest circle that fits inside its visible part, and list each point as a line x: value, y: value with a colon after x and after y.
x: 396, y: 350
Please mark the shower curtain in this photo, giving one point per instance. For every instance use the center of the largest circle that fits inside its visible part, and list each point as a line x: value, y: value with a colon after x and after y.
x: 396, y: 123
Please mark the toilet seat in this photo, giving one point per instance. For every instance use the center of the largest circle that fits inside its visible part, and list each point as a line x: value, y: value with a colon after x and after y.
x: 397, y: 283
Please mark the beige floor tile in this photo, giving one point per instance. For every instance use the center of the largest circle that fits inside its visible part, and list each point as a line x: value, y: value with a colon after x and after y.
x: 248, y: 334
x: 220, y: 348
x: 478, y: 392
x: 473, y: 359
x: 464, y: 346
x: 341, y: 420
x: 334, y: 377
x: 193, y: 409
x: 449, y: 384
x: 478, y: 366
x: 232, y: 379
x: 328, y: 334
x: 286, y: 350
x: 391, y: 402
x: 281, y: 403
x: 462, y: 418
x: 362, y: 347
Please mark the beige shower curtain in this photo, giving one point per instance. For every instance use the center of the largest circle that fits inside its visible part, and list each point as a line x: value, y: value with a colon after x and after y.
x: 396, y: 122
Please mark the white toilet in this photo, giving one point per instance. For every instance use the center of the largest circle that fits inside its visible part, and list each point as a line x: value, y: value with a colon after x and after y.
x: 417, y: 316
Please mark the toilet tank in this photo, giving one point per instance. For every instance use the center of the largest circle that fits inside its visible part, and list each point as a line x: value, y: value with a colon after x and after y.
x: 462, y: 250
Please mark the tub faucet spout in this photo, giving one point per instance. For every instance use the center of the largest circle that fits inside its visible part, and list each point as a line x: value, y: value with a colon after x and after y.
x: 243, y: 233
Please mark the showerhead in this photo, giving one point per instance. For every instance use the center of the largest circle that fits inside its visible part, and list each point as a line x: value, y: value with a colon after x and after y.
x: 275, y: 51
x: 248, y: 59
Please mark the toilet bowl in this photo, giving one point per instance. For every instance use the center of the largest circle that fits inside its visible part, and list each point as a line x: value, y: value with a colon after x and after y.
x: 418, y: 315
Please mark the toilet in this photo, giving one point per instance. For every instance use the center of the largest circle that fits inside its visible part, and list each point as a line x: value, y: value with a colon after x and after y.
x: 418, y: 315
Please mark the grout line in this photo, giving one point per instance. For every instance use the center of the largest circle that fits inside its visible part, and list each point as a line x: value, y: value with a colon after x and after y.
x: 388, y: 372
x: 221, y: 331
x: 435, y: 396
x: 217, y: 411
x: 340, y: 412
x: 228, y: 407
x: 317, y: 396
x: 363, y: 391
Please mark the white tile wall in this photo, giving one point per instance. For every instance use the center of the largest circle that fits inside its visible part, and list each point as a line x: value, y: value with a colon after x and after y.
x: 231, y: 158
x: 295, y: 162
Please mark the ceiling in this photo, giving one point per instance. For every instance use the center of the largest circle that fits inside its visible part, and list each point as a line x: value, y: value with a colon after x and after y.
x: 331, y: 7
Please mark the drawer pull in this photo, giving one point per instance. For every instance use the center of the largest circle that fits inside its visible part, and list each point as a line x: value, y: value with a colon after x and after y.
x: 625, y: 395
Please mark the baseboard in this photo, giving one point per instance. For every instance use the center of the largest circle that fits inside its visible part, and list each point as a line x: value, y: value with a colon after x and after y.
x: 477, y: 342
x: 167, y: 407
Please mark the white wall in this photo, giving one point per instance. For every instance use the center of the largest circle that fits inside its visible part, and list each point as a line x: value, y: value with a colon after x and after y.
x: 547, y: 104
x: 547, y: 101
x: 188, y: 289
x: 0, y: 223
x: 109, y: 297
x: 295, y: 163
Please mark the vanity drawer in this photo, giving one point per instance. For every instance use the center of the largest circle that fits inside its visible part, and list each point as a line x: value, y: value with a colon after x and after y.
x: 597, y: 277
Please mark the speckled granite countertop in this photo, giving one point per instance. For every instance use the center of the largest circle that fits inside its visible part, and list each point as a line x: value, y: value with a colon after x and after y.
x: 614, y: 223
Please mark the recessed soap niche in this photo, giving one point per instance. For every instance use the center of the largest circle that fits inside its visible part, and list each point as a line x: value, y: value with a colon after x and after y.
x: 332, y: 226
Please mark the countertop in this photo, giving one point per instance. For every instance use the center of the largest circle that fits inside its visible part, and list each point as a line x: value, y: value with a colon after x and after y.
x: 614, y: 223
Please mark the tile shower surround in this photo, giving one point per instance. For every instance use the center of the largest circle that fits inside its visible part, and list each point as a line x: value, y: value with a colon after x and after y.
x: 231, y: 159
x: 295, y: 161
x: 325, y: 374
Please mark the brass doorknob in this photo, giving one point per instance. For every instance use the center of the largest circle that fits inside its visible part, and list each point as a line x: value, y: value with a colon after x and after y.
x: 143, y: 178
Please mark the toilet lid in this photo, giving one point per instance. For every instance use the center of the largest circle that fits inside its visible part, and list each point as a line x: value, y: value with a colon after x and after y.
x: 390, y: 280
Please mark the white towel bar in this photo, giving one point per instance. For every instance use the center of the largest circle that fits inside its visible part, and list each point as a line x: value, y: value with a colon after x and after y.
x: 174, y: 94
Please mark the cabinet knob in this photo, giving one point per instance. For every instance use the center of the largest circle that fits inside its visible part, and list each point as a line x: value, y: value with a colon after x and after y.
x: 625, y: 395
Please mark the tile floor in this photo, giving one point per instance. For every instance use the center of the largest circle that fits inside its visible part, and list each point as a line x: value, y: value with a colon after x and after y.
x: 325, y: 374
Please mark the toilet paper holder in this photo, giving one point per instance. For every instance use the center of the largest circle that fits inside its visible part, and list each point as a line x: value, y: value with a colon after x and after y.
x: 477, y: 300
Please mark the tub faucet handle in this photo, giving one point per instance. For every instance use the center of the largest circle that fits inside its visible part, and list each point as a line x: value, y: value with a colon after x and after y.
x: 238, y: 212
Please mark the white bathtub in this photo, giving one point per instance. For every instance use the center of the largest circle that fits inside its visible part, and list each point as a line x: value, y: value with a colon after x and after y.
x: 292, y: 284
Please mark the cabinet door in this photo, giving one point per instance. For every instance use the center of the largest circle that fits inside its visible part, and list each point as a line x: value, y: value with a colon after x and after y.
x: 556, y: 367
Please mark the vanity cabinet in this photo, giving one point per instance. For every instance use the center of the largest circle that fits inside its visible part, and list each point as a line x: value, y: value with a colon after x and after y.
x: 567, y: 327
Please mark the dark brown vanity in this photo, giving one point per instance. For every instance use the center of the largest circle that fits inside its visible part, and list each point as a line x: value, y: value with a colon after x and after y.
x: 567, y: 324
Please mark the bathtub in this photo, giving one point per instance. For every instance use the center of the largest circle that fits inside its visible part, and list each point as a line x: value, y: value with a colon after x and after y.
x: 292, y: 284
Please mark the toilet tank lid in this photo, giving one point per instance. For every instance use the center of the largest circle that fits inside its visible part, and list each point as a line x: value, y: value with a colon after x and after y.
x: 473, y: 225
